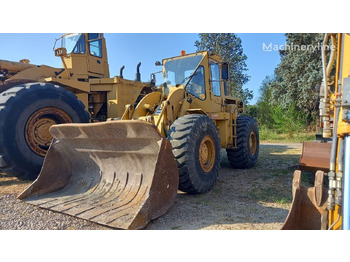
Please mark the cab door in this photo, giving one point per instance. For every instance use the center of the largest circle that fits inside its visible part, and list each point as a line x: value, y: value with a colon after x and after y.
x: 215, y: 85
x: 95, y: 64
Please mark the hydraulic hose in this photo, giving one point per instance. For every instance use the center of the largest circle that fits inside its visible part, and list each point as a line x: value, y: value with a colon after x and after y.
x: 334, y: 142
x: 346, y: 202
x: 331, y: 174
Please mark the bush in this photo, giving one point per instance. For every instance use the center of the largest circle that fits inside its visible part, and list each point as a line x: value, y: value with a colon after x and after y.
x: 251, y: 110
x: 278, y: 124
x: 288, y: 121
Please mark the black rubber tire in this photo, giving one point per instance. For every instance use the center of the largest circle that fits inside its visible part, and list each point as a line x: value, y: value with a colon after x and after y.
x: 185, y: 135
x: 17, y: 104
x: 241, y: 157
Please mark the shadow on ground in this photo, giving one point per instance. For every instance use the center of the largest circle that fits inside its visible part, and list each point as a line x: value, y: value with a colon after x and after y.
x: 12, y: 185
x: 257, y: 198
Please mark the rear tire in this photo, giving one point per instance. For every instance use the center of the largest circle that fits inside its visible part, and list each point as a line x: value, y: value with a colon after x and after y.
x: 247, y: 151
x: 26, y: 113
x: 196, y: 148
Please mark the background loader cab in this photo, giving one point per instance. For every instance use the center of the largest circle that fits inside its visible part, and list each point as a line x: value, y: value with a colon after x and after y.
x: 84, y: 56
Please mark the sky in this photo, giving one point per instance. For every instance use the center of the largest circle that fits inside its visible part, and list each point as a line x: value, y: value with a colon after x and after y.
x: 131, y: 48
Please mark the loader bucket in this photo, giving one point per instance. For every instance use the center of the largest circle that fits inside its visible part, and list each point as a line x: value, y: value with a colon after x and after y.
x: 315, y: 156
x: 308, y: 211
x: 120, y: 174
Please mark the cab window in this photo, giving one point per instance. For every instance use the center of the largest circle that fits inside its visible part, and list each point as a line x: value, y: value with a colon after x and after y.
x: 95, y: 45
x: 80, y: 46
x: 215, y: 79
x: 196, y: 86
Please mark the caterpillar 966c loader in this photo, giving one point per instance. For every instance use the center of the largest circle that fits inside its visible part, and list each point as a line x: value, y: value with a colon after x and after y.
x: 124, y: 173
x: 317, y: 207
x: 33, y: 98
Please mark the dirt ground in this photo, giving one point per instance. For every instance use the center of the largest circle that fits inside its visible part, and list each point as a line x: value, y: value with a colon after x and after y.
x: 254, y: 199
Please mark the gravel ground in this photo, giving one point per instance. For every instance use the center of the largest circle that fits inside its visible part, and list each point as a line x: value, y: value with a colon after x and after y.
x: 15, y: 214
x: 254, y: 199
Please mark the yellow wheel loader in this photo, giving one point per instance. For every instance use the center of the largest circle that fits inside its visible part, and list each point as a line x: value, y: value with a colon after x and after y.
x: 321, y: 207
x: 124, y: 173
x: 33, y: 98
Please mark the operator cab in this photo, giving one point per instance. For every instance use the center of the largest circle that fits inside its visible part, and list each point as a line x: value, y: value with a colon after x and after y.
x: 83, y: 55
x: 192, y: 72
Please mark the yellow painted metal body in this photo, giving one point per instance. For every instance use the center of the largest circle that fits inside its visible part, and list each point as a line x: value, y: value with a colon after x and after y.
x: 318, y: 207
x: 335, y: 83
x: 84, y: 73
x: 130, y: 159
x: 87, y: 76
x: 28, y: 71
x: 343, y: 128
x: 343, y: 71
x: 163, y: 109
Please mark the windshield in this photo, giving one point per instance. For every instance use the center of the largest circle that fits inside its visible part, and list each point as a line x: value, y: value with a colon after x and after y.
x: 70, y: 41
x: 178, y: 71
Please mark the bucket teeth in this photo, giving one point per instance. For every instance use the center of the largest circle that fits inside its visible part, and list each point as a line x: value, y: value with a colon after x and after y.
x: 121, y: 174
x: 308, y: 209
x: 308, y: 206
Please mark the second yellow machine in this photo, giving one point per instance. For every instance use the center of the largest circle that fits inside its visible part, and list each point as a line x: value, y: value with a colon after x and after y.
x: 34, y: 97
x: 322, y: 207
x: 125, y: 172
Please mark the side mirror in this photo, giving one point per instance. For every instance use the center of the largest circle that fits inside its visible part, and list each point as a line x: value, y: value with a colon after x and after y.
x: 225, y: 73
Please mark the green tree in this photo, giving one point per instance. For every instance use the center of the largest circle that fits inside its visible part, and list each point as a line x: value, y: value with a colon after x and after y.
x: 229, y: 46
x: 264, y: 106
x: 298, y: 73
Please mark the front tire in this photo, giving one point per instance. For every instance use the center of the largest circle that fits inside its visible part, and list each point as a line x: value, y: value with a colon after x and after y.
x: 26, y: 113
x: 196, y: 148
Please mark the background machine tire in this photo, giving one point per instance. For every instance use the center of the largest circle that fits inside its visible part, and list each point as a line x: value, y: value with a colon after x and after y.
x: 196, y: 148
x: 247, y: 151
x: 26, y: 113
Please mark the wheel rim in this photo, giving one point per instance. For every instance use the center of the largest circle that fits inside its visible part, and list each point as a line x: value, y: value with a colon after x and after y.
x: 207, y: 154
x: 252, y: 143
x: 37, y: 128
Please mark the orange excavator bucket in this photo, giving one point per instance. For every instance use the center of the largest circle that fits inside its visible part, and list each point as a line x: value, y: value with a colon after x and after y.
x: 120, y: 174
x: 308, y: 211
x: 315, y: 156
